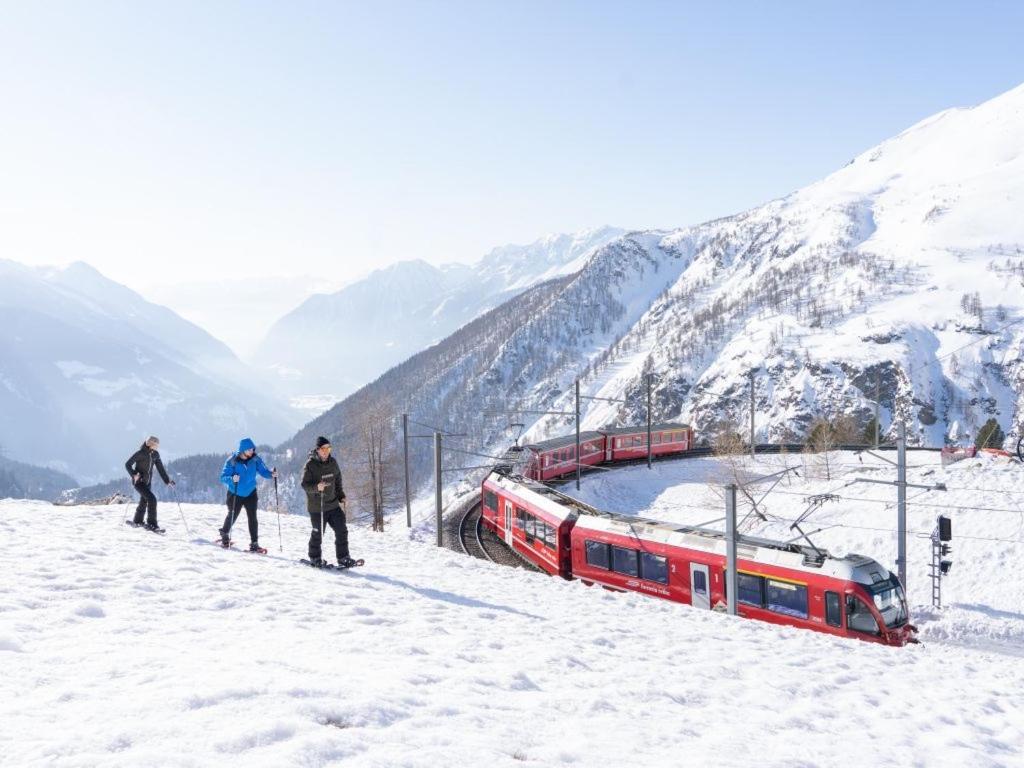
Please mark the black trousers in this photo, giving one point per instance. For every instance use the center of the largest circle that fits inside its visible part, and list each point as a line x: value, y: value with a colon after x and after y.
x: 235, y: 506
x: 147, y: 504
x: 335, y: 518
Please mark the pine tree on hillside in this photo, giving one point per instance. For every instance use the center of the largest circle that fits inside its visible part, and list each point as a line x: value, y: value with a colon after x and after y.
x: 991, y: 435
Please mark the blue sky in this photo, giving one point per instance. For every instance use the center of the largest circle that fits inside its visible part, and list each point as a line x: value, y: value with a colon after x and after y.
x: 180, y: 141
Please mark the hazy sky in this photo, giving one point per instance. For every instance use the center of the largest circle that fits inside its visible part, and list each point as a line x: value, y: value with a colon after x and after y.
x: 183, y: 141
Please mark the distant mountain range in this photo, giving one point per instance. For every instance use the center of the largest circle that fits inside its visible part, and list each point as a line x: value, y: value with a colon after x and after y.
x: 88, y: 369
x: 335, y: 343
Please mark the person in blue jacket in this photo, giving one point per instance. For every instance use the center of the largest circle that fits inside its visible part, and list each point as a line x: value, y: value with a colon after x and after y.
x: 239, y: 475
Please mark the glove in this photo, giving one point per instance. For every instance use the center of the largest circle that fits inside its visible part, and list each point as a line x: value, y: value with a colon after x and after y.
x: 235, y: 479
x: 172, y: 483
x: 273, y: 473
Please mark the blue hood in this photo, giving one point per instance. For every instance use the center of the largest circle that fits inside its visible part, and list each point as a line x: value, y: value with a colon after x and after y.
x: 246, y: 444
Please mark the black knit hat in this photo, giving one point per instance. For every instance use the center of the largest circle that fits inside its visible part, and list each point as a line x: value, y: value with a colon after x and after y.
x: 322, y: 441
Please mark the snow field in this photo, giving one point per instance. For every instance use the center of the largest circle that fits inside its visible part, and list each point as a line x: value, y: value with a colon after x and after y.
x: 124, y: 648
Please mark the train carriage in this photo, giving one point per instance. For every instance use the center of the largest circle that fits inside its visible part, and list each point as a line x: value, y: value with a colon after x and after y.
x: 790, y: 584
x: 853, y: 596
x: 625, y: 443
x: 551, y: 459
x: 532, y: 524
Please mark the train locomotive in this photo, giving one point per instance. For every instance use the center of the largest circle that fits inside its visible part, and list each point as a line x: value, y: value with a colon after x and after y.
x: 790, y: 584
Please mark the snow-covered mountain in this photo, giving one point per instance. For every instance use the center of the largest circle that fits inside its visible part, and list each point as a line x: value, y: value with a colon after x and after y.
x: 88, y: 368
x: 334, y: 343
x: 902, y: 273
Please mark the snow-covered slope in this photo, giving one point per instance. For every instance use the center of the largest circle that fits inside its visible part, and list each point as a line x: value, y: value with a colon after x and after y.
x: 124, y: 648
x: 904, y: 270
x: 88, y: 368
x: 334, y: 343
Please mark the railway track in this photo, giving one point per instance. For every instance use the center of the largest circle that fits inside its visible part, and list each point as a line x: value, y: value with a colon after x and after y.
x: 477, y: 541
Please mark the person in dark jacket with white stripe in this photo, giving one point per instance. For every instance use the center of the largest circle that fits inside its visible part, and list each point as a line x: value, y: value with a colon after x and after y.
x: 140, y: 467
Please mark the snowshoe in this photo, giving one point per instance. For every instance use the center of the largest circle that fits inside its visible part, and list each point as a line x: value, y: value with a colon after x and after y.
x: 154, y: 528
x: 132, y: 523
x: 316, y: 563
x: 348, y: 562
x: 254, y: 547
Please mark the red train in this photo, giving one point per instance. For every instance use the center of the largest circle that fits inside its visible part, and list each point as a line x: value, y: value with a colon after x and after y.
x: 852, y: 596
x: 556, y: 458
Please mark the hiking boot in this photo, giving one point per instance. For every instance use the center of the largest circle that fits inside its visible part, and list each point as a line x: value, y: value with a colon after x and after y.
x: 254, y: 547
x: 154, y: 528
x: 346, y: 562
x: 317, y: 562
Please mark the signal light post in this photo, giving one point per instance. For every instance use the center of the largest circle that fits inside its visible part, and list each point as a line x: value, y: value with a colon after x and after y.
x: 942, y: 534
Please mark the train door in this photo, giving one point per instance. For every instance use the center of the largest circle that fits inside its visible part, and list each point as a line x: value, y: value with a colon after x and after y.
x: 700, y: 586
x: 508, y: 523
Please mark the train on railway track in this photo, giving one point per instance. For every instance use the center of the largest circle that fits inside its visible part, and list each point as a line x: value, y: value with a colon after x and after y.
x: 782, y: 583
x: 556, y: 458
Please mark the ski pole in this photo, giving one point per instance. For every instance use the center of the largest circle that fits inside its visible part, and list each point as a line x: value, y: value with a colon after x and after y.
x: 321, y: 525
x: 181, y: 512
x: 234, y: 512
x: 277, y: 503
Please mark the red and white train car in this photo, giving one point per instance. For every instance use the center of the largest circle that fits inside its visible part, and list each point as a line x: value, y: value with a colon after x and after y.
x: 624, y: 443
x: 556, y: 457
x: 852, y: 596
x: 536, y: 524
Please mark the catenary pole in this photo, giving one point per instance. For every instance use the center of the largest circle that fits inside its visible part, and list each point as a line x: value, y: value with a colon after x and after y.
x: 731, y: 577
x: 649, y: 420
x: 437, y: 486
x: 901, y: 491
x: 878, y: 382
x: 405, y: 443
x: 578, y: 468
x: 751, y: 414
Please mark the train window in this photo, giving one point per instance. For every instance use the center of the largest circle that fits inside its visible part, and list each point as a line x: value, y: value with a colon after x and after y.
x: 700, y: 582
x: 597, y: 554
x: 624, y: 561
x: 859, y: 617
x: 750, y: 589
x: 653, y: 568
x: 638, y: 440
x: 833, y: 615
x: 550, y: 537
x: 656, y: 438
x: 520, y: 519
x: 491, y: 500
x: 785, y: 598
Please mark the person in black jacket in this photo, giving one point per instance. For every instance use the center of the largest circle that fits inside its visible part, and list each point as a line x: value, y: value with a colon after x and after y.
x: 325, y: 501
x: 140, y: 468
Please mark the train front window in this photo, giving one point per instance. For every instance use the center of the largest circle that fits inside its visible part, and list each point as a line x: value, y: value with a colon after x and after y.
x: 888, y: 597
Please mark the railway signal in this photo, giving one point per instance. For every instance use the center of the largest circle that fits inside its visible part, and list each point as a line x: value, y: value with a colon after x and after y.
x: 941, y: 547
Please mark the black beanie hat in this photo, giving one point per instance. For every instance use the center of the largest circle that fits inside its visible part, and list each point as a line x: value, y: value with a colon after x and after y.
x: 322, y: 441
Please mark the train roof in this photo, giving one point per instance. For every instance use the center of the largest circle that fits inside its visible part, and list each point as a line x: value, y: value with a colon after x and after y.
x: 857, y: 568
x: 642, y: 429
x: 562, y: 442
